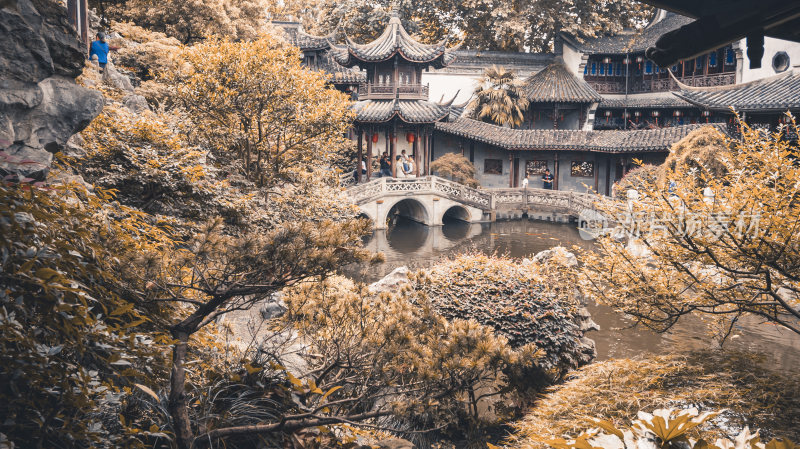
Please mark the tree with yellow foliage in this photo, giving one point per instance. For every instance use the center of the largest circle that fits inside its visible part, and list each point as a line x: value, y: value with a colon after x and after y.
x: 254, y: 103
x: 724, y: 247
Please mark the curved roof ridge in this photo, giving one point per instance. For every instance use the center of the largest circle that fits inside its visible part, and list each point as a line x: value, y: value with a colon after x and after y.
x: 392, y: 41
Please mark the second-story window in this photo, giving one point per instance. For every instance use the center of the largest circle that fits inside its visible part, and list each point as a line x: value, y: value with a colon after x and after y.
x: 648, y: 68
x: 602, y: 70
x: 619, y: 69
x: 730, y: 58
x: 594, y: 68
x: 712, y: 59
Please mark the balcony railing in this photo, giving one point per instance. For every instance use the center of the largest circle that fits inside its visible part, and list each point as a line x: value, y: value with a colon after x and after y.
x: 372, y: 91
x: 661, y: 85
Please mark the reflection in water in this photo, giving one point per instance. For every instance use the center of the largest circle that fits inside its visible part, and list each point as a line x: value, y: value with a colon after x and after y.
x: 418, y: 246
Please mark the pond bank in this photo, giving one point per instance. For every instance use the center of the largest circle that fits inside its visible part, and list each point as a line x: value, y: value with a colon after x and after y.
x: 418, y: 246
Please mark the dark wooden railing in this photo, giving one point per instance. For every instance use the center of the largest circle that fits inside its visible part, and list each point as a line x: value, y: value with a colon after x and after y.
x: 661, y: 85
x: 372, y: 91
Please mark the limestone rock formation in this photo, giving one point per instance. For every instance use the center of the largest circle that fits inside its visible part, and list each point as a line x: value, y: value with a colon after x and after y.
x: 41, y: 106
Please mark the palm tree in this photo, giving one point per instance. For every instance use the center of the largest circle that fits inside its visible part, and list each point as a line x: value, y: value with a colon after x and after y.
x: 499, y: 98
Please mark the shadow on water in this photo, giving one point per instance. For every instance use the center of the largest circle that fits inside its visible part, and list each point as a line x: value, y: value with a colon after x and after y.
x: 416, y: 246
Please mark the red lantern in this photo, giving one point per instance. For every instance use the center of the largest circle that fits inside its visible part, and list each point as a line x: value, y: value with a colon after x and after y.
x: 410, y: 137
x: 606, y: 60
x: 677, y: 113
x: 375, y: 138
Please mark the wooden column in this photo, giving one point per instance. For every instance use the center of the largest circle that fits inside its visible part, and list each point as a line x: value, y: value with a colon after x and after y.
x: 360, y: 154
x: 555, y: 116
x: 510, y: 170
x: 555, y: 175
x: 431, y: 148
x: 417, y: 159
x: 608, y: 175
x: 393, y: 149
x: 369, y: 154
x: 596, y: 173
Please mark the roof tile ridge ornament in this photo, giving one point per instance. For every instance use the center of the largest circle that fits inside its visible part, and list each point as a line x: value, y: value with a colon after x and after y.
x: 447, y: 104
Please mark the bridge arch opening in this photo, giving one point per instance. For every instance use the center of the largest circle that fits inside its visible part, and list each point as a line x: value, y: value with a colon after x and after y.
x: 456, y: 213
x: 407, y: 209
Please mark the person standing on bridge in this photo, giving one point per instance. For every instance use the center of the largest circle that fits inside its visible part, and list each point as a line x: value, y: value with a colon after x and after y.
x: 386, y: 165
x: 547, y: 180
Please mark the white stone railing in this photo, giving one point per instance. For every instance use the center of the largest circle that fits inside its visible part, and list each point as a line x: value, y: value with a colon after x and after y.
x: 373, y: 190
x: 574, y: 202
x: 485, y: 199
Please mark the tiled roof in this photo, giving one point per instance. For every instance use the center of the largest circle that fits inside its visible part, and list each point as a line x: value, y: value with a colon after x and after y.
x: 308, y: 42
x: 409, y: 111
x: 777, y: 93
x: 556, y: 84
x: 476, y: 61
x: 650, y: 100
x: 394, y: 40
x: 339, y: 74
x: 633, y: 41
x: 606, y: 141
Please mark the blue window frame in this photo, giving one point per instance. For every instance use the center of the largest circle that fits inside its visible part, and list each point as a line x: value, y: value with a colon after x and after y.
x: 602, y: 69
x: 675, y: 68
x: 594, y: 68
x: 586, y: 70
x: 648, y: 67
x: 712, y: 59
x: 730, y: 58
x: 619, y: 69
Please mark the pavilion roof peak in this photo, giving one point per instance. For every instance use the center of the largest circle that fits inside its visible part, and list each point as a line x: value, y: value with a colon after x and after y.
x: 556, y: 84
x: 394, y: 40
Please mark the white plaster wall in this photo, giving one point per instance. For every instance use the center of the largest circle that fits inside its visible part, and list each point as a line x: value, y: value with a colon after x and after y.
x: 572, y: 59
x: 771, y: 47
x: 448, y: 84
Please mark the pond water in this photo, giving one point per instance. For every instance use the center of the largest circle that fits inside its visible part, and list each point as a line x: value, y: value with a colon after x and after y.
x: 417, y: 246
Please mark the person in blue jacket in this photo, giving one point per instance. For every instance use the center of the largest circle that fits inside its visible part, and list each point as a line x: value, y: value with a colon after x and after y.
x: 100, y: 48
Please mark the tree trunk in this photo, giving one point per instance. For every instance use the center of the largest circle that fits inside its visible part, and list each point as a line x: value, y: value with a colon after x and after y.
x: 178, y: 404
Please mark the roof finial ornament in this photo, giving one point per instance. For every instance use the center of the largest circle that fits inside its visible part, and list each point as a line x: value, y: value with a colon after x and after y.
x: 394, y: 10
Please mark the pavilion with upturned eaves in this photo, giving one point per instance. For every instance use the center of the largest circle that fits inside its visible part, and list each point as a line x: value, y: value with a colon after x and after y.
x: 595, y: 106
x: 392, y: 109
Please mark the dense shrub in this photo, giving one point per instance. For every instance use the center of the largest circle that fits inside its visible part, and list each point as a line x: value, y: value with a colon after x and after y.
x: 523, y: 303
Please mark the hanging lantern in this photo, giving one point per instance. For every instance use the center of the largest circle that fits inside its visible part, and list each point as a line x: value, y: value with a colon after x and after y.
x: 706, y: 113
x: 410, y: 137
x: 626, y: 114
x: 608, y: 113
x: 375, y: 138
x: 656, y: 113
x: 677, y: 113
x: 637, y: 113
x: 626, y: 61
x: 639, y: 59
x: 606, y: 60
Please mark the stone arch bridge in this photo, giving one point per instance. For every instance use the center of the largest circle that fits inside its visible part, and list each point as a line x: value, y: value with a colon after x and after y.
x: 430, y: 200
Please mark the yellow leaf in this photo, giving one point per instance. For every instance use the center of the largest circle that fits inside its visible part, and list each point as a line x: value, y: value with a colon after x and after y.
x: 147, y: 390
x: 329, y: 392
x: 251, y: 369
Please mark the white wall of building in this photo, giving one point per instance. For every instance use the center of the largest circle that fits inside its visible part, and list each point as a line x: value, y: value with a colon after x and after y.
x: 447, y: 84
x: 771, y: 48
x: 572, y: 59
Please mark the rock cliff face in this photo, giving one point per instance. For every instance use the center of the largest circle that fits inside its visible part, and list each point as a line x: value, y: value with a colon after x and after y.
x: 41, y: 106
